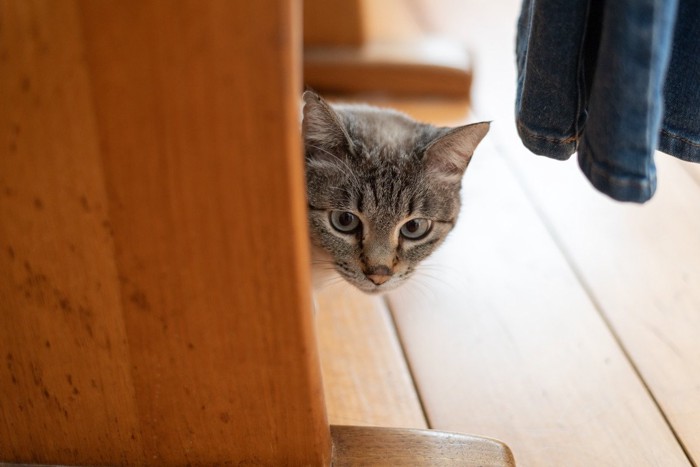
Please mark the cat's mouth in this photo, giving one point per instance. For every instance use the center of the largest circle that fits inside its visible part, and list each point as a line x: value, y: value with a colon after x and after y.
x: 375, y: 280
x: 374, y: 285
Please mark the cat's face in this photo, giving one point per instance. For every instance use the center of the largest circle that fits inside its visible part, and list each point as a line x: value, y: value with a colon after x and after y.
x: 383, y: 189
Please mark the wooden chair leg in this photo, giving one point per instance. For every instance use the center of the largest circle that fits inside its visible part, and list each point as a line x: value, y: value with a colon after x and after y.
x: 361, y: 445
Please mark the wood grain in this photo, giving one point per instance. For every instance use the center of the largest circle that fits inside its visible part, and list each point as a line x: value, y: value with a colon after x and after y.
x: 365, y: 376
x: 66, y: 391
x: 508, y: 345
x: 153, y: 265
x: 391, y: 447
x: 213, y: 259
x: 635, y: 263
x: 641, y: 265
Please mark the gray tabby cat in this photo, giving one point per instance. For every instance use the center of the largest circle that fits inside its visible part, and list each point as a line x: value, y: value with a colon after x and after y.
x: 383, y: 190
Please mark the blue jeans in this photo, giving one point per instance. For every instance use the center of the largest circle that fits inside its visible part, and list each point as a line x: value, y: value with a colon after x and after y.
x: 613, y: 80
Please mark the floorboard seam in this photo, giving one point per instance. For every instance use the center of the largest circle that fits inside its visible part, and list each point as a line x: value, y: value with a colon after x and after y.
x: 551, y: 229
x: 407, y: 361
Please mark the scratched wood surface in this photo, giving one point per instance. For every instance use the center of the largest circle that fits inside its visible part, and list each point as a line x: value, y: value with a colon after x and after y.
x: 66, y: 389
x: 153, y: 267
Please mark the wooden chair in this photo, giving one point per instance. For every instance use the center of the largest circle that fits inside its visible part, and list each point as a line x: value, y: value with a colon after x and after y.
x: 154, y: 284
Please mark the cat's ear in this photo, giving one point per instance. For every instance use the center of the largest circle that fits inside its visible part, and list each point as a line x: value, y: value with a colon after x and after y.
x: 322, y: 127
x: 448, y: 155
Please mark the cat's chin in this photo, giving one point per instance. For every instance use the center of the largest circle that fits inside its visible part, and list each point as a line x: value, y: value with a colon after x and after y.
x: 370, y: 288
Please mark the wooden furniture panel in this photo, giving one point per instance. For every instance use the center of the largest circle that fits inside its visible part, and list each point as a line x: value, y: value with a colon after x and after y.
x: 507, y: 344
x: 66, y: 389
x: 155, y: 291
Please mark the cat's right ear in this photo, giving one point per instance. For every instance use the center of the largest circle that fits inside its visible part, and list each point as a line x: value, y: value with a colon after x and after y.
x: 322, y: 128
x: 448, y: 156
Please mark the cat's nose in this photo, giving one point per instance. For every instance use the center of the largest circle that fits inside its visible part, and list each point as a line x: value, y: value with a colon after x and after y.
x: 379, y: 274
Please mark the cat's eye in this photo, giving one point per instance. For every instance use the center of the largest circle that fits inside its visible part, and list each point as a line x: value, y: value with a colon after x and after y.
x: 344, y: 221
x: 415, y: 229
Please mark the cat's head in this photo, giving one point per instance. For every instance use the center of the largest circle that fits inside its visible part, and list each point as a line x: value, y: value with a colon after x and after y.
x: 383, y: 189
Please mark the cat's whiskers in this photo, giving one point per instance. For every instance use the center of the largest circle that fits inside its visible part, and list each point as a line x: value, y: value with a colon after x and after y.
x: 418, y: 289
x: 438, y: 277
x: 330, y: 282
x: 440, y: 267
x: 327, y: 282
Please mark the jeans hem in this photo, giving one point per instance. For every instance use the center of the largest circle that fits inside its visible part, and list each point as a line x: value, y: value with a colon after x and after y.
x: 560, y: 148
x: 679, y: 146
x: 627, y: 188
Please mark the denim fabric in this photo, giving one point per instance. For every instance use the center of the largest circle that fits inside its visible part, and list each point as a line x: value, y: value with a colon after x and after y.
x: 610, y: 80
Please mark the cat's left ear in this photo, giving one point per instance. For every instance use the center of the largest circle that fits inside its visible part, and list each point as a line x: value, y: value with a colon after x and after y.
x: 321, y: 125
x: 448, y: 155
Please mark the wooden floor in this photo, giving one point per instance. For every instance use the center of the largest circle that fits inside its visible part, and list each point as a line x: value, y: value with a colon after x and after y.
x: 554, y: 319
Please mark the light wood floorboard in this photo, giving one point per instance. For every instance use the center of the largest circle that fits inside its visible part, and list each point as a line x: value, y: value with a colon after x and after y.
x: 509, y: 345
x: 365, y: 376
x: 640, y: 265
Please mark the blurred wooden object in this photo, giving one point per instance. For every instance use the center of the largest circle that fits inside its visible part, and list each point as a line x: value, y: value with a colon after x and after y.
x: 319, y: 31
x: 388, y: 447
x: 364, y: 46
x: 153, y: 253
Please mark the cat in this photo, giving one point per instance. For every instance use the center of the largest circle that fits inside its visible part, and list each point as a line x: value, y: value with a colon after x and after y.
x: 382, y: 189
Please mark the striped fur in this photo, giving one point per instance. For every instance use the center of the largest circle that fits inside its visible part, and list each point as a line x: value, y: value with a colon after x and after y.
x: 386, y: 169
